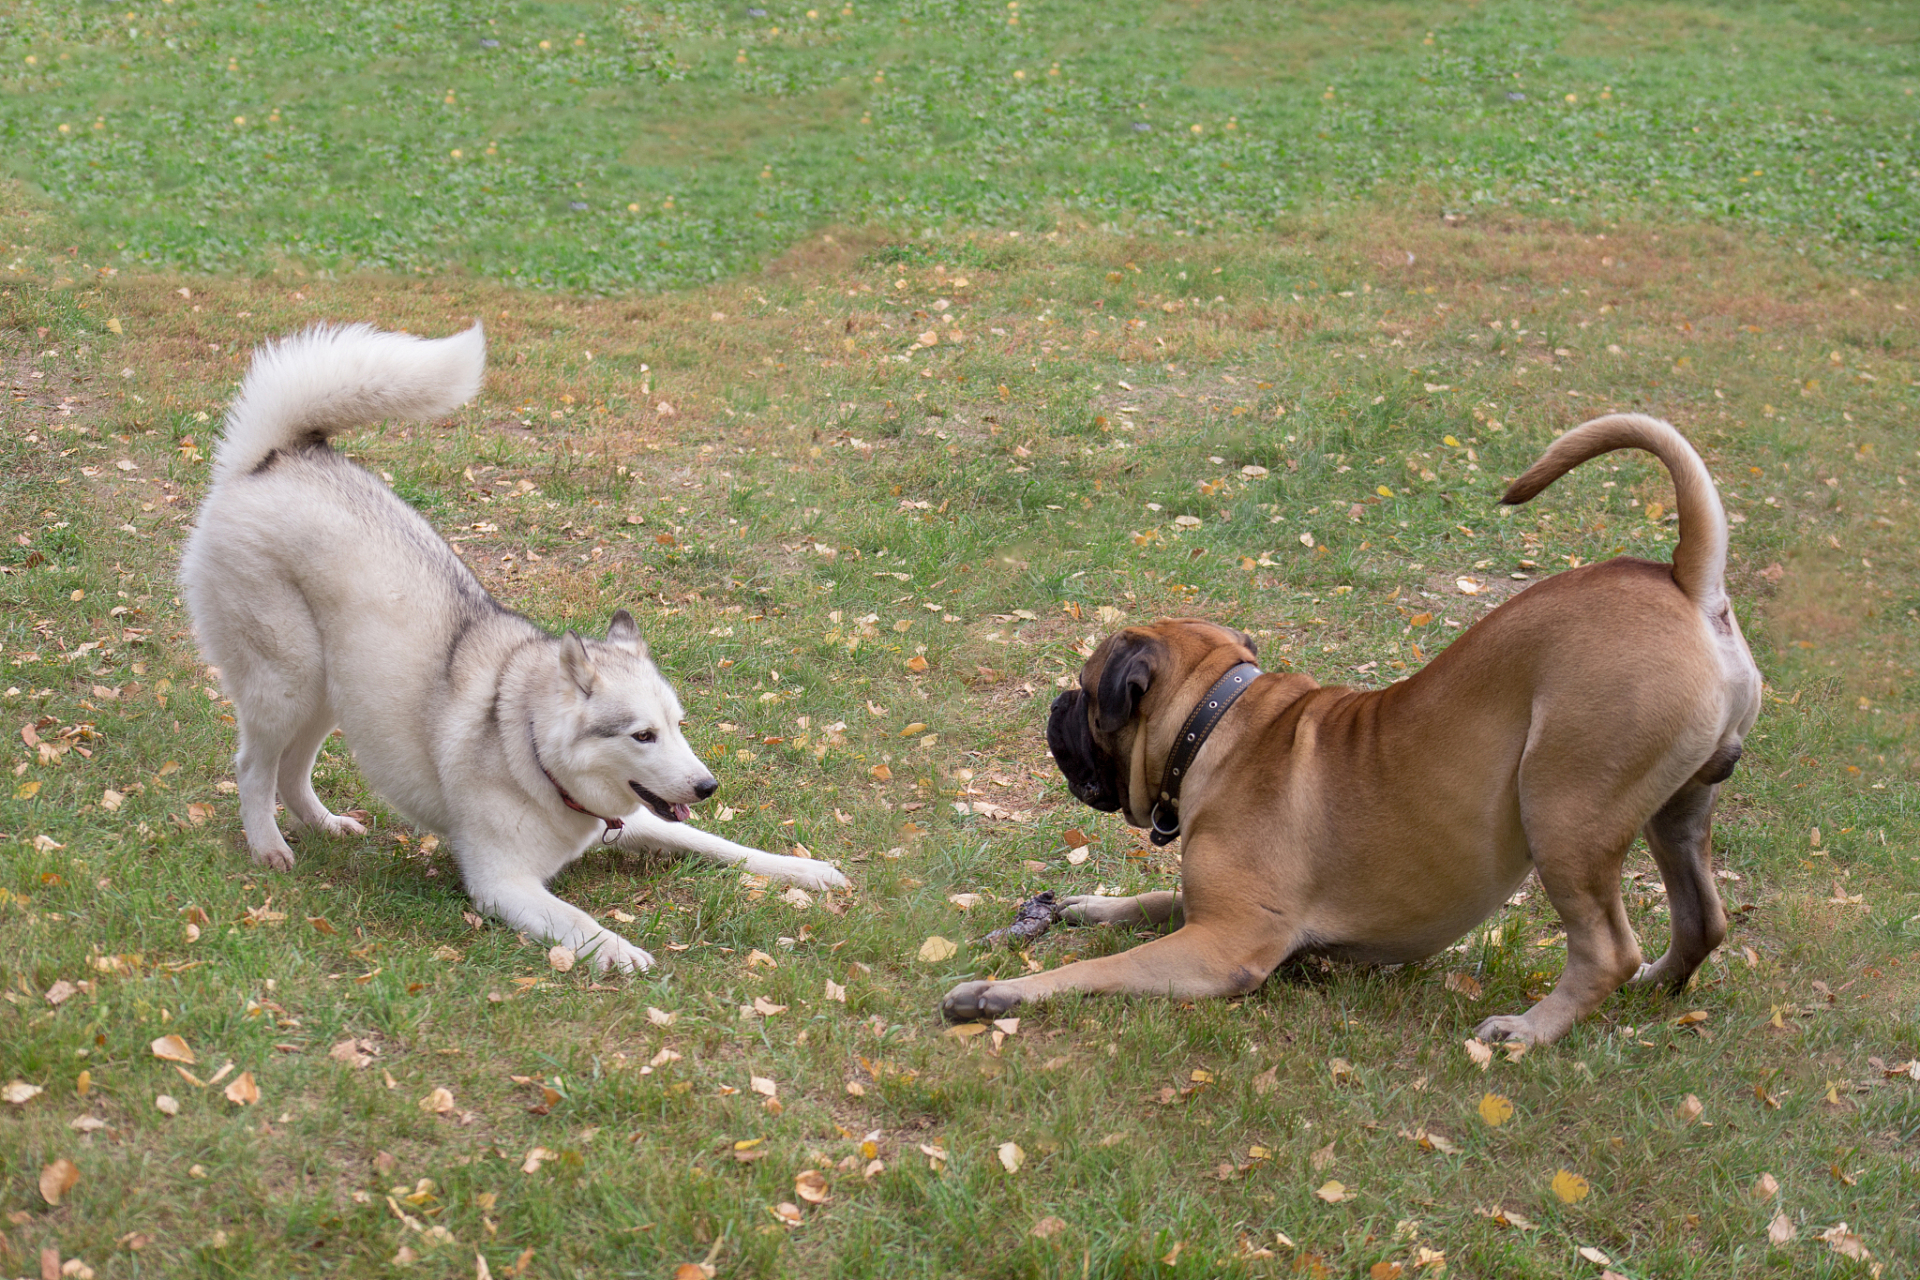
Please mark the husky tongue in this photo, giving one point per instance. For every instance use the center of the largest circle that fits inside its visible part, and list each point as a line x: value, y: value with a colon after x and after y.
x: 681, y: 813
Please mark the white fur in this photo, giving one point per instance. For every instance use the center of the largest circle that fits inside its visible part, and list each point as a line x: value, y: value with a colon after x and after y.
x: 325, y: 600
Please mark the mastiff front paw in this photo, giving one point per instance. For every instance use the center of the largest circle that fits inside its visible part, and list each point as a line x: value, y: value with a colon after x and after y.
x: 971, y: 1001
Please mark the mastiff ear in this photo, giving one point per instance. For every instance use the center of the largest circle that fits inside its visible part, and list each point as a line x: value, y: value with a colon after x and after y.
x: 1133, y: 660
x: 624, y: 633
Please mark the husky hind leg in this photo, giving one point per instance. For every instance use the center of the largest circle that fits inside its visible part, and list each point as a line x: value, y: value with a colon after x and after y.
x: 295, y: 779
x: 270, y: 666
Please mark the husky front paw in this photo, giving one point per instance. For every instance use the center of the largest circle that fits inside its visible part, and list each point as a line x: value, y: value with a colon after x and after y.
x: 822, y: 876
x: 804, y: 872
x: 611, y: 953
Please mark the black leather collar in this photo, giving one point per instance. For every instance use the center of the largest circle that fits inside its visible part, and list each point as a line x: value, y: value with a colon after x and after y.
x: 1206, y: 713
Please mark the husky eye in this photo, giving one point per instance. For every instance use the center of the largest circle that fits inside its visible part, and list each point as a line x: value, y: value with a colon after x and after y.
x: 645, y: 735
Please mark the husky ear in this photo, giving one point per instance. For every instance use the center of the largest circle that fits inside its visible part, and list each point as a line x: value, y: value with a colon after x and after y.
x: 624, y: 633
x: 575, y: 662
x: 1133, y: 660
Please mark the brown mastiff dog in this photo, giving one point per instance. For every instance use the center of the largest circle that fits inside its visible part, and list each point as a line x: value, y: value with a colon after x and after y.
x: 1381, y: 826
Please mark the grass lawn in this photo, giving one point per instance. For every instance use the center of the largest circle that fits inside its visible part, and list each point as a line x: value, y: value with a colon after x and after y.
x: 911, y: 414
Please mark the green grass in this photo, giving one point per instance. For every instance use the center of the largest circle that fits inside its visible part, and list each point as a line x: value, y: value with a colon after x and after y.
x: 696, y: 455
x: 602, y: 147
x: 1034, y: 504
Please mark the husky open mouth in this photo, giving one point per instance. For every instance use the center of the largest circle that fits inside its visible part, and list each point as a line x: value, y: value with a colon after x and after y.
x: 667, y: 812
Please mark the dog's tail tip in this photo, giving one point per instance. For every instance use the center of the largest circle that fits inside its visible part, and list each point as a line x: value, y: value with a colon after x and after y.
x: 330, y: 378
x: 1700, y: 553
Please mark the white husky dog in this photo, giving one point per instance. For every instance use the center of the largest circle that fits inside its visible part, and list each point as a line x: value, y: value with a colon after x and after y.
x: 325, y: 600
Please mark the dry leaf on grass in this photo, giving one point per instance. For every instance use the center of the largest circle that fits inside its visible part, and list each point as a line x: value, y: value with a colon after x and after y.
x: 167, y: 1104
x: 1464, y: 983
x: 767, y: 1008
x: 1048, y: 1227
x: 1012, y: 1157
x: 660, y: 1017
x: 1765, y: 1187
x: 1570, y: 1187
x: 1781, y: 1230
x: 59, y: 1178
x: 1334, y: 1192
x: 1429, y: 1140
x: 836, y: 992
x: 439, y: 1102
x: 1481, y: 1052
x: 762, y: 1085
x: 243, y: 1091
x: 1496, y: 1109
x: 356, y: 1053
x: 172, y: 1049
x: 1322, y: 1158
x: 1839, y: 1239
x: 537, y: 1157
x: 937, y: 949
x: 1595, y: 1256
x: 1689, y: 1110
x: 561, y: 958
x: 811, y: 1185
x: 786, y: 1213
x: 19, y: 1092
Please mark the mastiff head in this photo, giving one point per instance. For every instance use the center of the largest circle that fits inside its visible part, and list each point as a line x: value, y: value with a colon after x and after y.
x: 1094, y: 732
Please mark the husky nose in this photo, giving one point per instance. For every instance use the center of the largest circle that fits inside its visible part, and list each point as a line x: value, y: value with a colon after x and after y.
x: 706, y: 787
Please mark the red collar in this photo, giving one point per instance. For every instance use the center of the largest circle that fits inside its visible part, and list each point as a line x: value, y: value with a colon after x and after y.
x: 613, y: 824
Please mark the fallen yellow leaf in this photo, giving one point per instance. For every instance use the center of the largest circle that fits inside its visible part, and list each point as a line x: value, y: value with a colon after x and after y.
x: 57, y: 1179
x: 1570, y: 1187
x: 1495, y: 1109
x: 172, y: 1049
x: 243, y: 1091
x: 937, y: 949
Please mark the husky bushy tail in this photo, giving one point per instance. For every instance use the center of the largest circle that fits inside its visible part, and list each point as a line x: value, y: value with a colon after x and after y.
x: 333, y: 378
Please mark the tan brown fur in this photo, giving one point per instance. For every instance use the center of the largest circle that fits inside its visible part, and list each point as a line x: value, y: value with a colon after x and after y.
x: 1381, y: 826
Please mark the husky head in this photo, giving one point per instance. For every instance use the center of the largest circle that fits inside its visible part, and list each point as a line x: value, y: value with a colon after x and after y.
x: 617, y: 735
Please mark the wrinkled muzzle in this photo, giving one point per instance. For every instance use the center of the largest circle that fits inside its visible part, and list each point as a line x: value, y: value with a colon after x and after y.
x: 1092, y: 775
